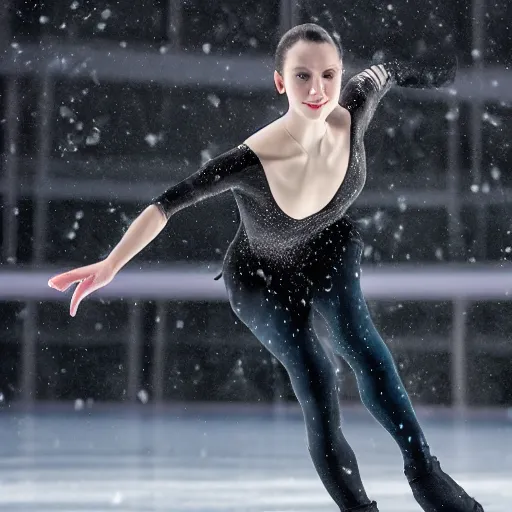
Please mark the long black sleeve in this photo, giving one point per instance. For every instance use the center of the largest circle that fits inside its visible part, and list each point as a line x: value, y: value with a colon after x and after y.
x: 427, y: 72
x: 214, y: 177
x: 364, y: 91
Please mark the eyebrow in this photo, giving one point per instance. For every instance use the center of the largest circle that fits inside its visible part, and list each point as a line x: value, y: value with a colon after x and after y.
x: 333, y: 68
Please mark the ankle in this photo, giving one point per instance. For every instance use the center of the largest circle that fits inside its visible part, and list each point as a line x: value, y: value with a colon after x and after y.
x: 418, y: 468
x: 371, y: 507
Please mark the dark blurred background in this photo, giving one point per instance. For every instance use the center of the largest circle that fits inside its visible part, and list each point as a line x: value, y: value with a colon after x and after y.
x: 106, y: 104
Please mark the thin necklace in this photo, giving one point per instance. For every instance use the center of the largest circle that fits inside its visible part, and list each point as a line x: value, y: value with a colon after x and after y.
x: 299, y: 142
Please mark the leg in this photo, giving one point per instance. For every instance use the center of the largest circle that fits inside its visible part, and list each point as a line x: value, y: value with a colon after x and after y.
x: 382, y: 392
x: 381, y: 389
x: 281, y: 321
x: 325, y: 339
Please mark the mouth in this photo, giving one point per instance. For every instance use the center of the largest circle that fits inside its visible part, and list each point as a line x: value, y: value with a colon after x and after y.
x: 315, y: 106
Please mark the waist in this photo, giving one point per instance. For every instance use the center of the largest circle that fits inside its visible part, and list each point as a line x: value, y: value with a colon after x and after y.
x: 294, y: 244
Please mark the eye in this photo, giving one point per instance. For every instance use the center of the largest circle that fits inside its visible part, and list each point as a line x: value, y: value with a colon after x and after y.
x: 330, y: 76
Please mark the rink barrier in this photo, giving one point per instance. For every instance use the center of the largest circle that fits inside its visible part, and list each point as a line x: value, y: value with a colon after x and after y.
x: 458, y: 283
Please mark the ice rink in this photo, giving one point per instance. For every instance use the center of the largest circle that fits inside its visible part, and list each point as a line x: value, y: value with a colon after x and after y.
x: 226, y: 458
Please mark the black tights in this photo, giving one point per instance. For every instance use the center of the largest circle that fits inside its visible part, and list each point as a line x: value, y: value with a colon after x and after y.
x: 277, y: 307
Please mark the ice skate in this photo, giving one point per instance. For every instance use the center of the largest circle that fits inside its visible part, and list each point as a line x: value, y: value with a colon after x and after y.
x: 372, y: 507
x: 436, y: 491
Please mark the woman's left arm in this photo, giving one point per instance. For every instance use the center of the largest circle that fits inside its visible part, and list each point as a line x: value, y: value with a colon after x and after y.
x: 364, y: 91
x: 427, y: 72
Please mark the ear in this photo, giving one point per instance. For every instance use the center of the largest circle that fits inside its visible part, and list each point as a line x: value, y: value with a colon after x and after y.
x: 278, y: 80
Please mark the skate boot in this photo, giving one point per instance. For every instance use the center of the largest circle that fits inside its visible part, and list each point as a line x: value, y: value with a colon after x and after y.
x: 435, y: 491
x: 372, y: 507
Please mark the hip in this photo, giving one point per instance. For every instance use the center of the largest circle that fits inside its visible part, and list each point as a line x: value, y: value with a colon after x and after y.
x: 339, y: 245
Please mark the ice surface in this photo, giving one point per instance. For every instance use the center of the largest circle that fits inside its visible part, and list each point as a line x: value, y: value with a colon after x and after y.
x: 224, y: 460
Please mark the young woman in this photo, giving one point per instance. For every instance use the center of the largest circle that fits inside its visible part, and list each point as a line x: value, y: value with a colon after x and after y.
x: 296, y: 252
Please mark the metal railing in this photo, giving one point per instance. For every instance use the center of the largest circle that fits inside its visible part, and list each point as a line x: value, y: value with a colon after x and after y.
x: 460, y: 284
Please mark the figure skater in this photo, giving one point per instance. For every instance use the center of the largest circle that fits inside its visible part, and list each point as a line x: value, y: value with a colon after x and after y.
x: 296, y: 252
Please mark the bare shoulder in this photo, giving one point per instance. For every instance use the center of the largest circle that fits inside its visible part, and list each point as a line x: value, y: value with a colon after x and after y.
x: 273, y: 143
x: 270, y: 142
x: 339, y: 118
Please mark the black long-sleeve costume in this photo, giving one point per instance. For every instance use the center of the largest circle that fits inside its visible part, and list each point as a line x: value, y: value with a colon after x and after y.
x: 278, y: 270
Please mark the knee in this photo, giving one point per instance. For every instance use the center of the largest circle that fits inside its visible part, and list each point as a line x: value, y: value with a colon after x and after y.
x: 369, y: 362
x: 365, y: 350
x: 315, y: 394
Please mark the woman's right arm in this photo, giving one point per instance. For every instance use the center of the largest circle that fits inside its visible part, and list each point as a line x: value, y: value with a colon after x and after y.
x: 97, y: 275
x: 218, y: 175
x: 141, y: 232
x: 214, y: 177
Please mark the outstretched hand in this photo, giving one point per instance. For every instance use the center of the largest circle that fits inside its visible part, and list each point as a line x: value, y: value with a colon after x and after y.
x: 90, y: 278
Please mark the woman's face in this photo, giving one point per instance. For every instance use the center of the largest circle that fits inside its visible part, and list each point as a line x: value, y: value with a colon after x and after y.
x: 312, y: 74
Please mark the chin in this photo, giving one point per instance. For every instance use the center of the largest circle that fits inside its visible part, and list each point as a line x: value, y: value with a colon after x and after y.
x: 316, y: 114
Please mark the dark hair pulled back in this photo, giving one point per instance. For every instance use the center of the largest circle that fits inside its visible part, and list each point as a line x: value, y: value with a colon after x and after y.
x: 310, y: 32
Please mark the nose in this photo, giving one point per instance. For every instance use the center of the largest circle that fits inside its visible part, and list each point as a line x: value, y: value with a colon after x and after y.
x: 317, y: 86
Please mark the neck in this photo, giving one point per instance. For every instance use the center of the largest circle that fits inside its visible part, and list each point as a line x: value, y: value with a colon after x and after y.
x: 308, y: 134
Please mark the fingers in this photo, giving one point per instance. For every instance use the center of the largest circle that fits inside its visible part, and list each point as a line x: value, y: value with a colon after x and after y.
x: 57, y: 285
x: 63, y: 281
x: 381, y: 73
x: 84, y: 276
x: 85, y: 288
x: 370, y: 72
